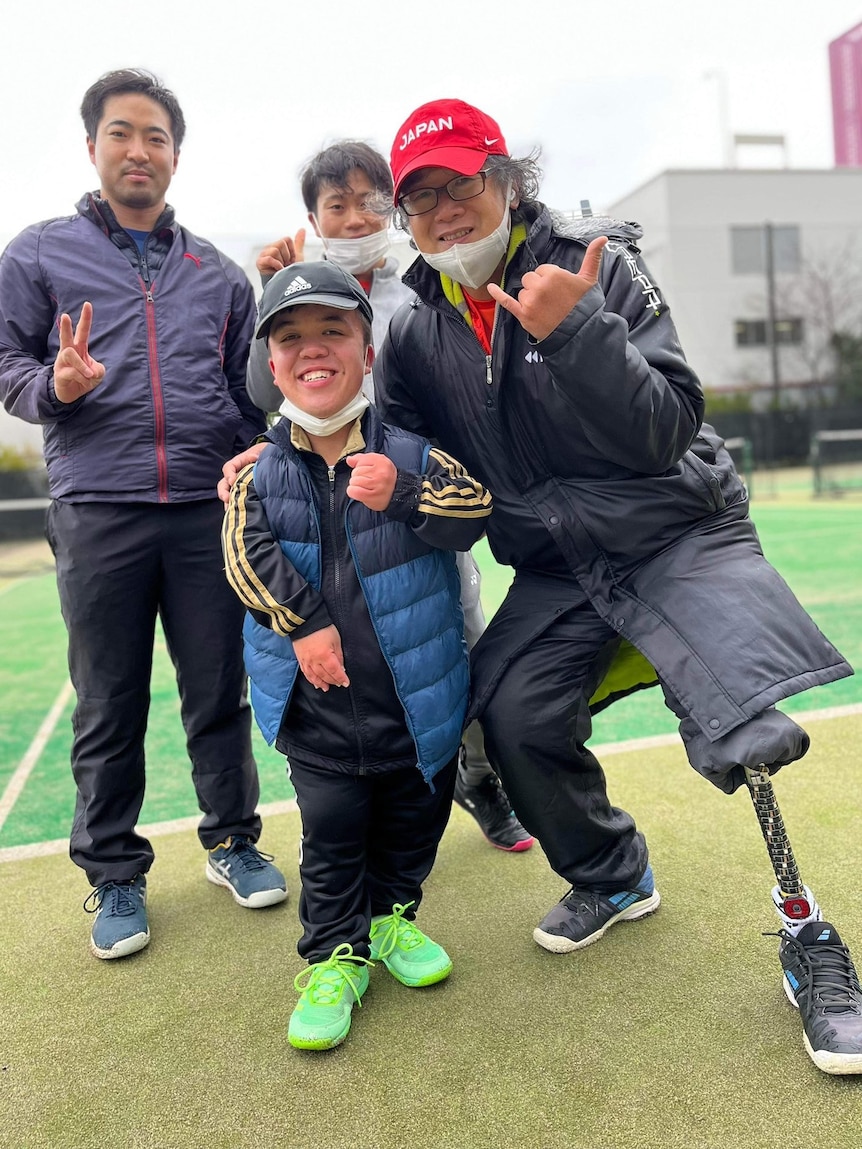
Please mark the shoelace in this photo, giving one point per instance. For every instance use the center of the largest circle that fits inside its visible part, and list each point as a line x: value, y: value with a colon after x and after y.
x: 324, y: 981
x: 831, y: 974
x: 247, y: 855
x: 495, y: 793
x: 397, y: 931
x: 125, y: 901
x: 579, y: 900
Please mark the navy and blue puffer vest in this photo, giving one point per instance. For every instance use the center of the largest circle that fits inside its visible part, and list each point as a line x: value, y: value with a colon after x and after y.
x: 412, y: 592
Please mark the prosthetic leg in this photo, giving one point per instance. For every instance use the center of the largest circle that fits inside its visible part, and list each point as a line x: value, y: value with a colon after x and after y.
x: 793, y: 901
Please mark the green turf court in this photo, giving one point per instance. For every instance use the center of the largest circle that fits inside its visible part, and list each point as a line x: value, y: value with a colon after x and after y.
x: 817, y: 545
x: 673, y: 1033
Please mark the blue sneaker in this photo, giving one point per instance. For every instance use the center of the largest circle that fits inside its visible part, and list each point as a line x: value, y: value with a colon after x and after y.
x: 583, y: 916
x: 121, y: 926
x: 240, y: 867
x: 328, y: 991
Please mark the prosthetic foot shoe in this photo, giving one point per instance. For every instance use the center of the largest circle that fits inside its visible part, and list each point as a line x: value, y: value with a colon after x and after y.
x: 584, y: 916
x: 821, y: 981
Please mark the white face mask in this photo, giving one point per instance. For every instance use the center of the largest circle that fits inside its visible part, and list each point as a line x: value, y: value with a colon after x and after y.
x: 358, y: 255
x: 332, y: 423
x: 473, y: 264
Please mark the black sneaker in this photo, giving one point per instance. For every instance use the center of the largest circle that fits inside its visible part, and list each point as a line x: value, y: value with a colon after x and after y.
x: 821, y: 981
x: 583, y: 916
x: 489, y: 805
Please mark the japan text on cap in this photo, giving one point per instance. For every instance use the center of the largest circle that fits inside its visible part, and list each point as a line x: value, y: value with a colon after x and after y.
x: 445, y: 134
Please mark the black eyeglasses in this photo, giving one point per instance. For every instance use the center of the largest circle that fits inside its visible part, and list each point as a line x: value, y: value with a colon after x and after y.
x: 422, y: 200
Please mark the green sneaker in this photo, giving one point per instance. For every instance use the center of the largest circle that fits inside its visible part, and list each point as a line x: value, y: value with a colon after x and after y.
x: 328, y: 990
x: 405, y: 951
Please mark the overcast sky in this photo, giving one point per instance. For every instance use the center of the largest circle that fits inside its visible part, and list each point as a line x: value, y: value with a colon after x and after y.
x: 614, y: 92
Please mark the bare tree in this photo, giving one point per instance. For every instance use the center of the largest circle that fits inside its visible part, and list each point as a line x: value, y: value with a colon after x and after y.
x: 827, y: 294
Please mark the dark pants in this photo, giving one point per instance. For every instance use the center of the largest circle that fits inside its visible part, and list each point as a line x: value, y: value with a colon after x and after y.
x: 368, y: 842
x: 118, y: 567
x: 534, y: 670
x: 536, y: 725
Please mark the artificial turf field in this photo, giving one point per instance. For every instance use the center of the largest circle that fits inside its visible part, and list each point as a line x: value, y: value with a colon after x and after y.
x: 671, y: 1032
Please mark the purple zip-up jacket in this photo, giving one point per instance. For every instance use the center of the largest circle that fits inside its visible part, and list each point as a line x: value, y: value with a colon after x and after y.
x: 172, y: 328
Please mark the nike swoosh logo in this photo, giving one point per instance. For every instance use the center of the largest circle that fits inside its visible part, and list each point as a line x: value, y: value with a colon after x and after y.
x: 488, y: 142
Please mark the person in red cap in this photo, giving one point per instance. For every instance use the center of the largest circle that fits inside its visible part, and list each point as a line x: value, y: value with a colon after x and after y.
x: 540, y: 352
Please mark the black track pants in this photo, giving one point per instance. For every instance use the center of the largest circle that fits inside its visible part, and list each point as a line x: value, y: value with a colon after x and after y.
x: 536, y: 724
x: 119, y: 566
x: 368, y: 842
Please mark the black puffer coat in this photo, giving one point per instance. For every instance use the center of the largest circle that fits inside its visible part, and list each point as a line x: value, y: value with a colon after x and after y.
x: 592, y: 445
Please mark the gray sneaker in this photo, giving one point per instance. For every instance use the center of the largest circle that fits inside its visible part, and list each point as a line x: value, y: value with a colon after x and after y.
x: 491, y: 808
x: 121, y: 926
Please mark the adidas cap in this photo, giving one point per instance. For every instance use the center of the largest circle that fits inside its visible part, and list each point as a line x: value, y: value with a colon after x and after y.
x: 319, y: 282
x: 445, y: 134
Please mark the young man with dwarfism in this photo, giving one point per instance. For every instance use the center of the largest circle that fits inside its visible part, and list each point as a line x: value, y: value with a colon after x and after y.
x: 340, y: 543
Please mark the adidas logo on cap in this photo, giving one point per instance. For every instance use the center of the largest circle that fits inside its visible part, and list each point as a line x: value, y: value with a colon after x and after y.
x: 298, y: 284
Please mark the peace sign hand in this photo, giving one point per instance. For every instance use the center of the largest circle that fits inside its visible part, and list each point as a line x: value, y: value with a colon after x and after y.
x: 549, y: 293
x: 75, y: 371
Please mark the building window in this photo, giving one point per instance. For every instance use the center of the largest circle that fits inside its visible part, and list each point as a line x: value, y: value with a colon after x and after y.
x: 753, y: 332
x: 788, y: 331
x: 748, y: 249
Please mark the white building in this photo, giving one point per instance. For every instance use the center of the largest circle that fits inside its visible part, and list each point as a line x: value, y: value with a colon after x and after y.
x: 705, y: 244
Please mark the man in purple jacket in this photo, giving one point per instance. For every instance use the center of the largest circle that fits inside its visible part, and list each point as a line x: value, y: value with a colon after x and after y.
x: 127, y: 337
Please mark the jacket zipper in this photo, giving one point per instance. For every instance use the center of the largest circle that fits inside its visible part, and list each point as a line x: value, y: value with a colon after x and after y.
x: 408, y: 720
x: 488, y: 373
x: 337, y: 583
x: 156, y: 386
x: 330, y: 472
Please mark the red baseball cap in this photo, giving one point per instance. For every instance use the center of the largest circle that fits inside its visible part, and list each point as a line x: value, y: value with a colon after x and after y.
x: 445, y: 134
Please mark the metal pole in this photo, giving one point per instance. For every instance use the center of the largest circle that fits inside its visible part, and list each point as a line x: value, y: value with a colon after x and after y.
x: 771, y: 335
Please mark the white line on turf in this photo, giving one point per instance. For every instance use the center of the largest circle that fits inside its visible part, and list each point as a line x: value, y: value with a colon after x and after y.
x: 153, y: 830
x: 25, y: 766
x: 156, y: 829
